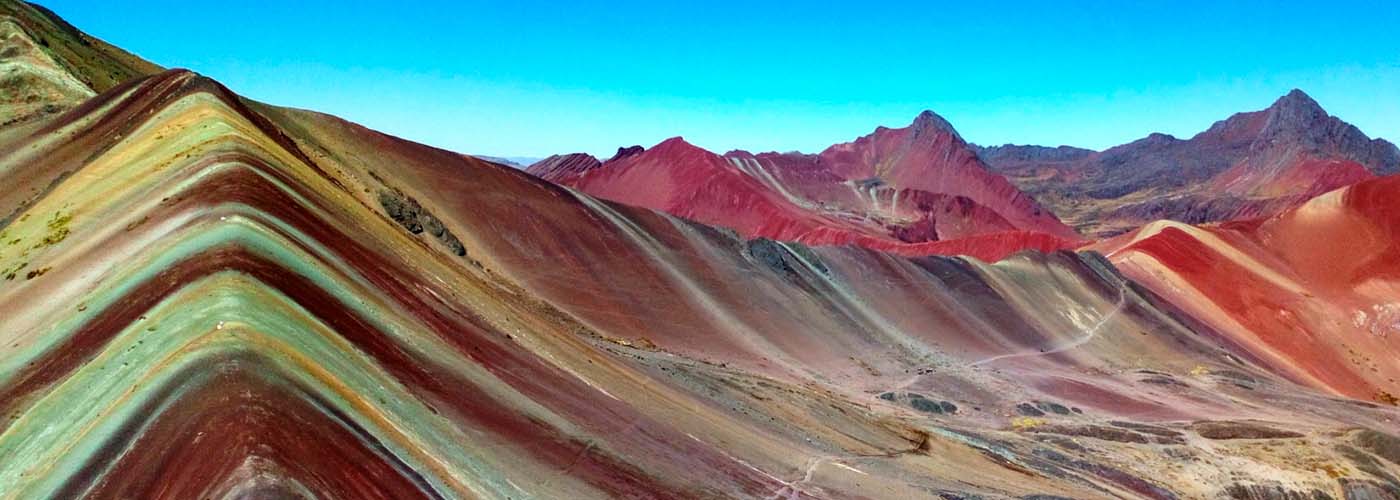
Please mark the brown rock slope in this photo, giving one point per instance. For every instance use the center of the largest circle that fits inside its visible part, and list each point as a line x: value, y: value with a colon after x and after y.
x: 1249, y: 165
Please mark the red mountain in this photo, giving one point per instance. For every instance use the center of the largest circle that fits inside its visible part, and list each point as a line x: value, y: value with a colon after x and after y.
x: 1248, y: 165
x: 916, y: 190
x: 1311, y: 289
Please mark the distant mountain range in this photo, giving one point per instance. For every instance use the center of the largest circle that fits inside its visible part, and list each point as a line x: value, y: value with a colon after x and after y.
x: 914, y: 190
x: 1248, y: 165
x: 511, y: 161
x: 921, y: 189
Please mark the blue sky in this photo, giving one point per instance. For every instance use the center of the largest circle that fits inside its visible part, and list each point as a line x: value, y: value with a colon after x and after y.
x: 528, y: 78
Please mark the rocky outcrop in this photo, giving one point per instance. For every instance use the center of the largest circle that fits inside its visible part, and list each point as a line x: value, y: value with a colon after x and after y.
x: 623, y: 152
x: 406, y: 211
x: 1383, y: 445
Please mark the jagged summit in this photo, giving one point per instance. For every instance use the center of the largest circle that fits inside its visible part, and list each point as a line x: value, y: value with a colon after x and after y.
x: 623, y: 152
x: 1300, y: 116
x: 930, y: 121
x: 1296, y: 99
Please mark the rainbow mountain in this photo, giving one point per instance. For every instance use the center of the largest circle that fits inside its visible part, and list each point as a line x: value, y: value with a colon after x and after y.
x: 203, y: 296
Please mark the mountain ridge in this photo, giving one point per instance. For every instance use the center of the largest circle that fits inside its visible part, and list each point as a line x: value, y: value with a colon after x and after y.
x: 911, y: 190
x: 1249, y: 164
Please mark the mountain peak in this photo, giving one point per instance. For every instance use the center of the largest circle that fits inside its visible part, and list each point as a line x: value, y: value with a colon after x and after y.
x: 928, y: 120
x: 675, y: 147
x: 1296, y: 118
x: 1297, y: 100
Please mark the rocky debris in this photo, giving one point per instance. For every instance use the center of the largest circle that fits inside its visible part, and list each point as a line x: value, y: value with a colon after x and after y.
x: 406, y: 211
x: 1239, y: 430
x: 1272, y: 492
x: 1381, y: 444
x: 1360, y: 489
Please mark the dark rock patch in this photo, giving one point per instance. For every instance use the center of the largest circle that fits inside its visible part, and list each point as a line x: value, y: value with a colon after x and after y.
x: 922, y: 403
x: 406, y: 211
x: 1052, y: 407
x: 1236, y: 376
x: 1161, y: 380
x: 1029, y: 410
x: 782, y: 258
x: 925, y: 405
